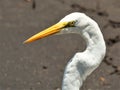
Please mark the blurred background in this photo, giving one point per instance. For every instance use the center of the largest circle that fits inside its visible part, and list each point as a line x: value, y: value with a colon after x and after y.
x: 40, y: 65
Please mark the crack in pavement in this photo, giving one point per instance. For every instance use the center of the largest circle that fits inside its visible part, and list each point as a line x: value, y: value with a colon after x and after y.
x: 116, y: 68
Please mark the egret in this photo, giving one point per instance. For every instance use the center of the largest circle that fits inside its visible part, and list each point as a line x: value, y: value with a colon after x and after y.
x: 83, y: 63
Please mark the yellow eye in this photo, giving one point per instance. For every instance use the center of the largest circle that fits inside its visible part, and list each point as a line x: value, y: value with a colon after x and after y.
x: 72, y: 23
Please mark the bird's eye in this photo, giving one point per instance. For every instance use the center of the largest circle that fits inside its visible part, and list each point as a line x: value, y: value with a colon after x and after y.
x: 72, y: 23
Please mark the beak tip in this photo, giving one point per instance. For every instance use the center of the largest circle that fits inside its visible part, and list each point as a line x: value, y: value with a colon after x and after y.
x: 25, y: 42
x: 49, y: 31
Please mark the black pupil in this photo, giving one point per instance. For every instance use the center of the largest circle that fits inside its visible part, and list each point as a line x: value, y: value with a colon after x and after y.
x: 70, y: 24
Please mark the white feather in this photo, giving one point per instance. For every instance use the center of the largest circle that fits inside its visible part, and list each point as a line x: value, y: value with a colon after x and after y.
x: 83, y: 63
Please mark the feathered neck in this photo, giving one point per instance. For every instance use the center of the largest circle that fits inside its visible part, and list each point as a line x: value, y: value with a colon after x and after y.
x: 78, y: 68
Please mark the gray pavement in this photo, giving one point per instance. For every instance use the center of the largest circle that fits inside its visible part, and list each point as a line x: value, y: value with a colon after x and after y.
x: 40, y: 65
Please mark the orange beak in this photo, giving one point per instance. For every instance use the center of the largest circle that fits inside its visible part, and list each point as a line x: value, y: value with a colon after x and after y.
x: 49, y: 31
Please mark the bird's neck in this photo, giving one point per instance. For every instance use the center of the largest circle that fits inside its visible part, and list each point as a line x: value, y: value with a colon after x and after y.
x: 95, y: 47
x: 95, y: 44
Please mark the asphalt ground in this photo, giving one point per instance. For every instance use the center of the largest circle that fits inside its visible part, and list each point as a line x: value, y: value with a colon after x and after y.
x: 40, y: 65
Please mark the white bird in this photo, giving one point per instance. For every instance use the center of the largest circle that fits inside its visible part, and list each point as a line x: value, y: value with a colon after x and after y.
x: 83, y: 63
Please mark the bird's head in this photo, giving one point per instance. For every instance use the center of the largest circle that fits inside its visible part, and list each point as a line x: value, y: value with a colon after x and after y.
x: 71, y: 20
